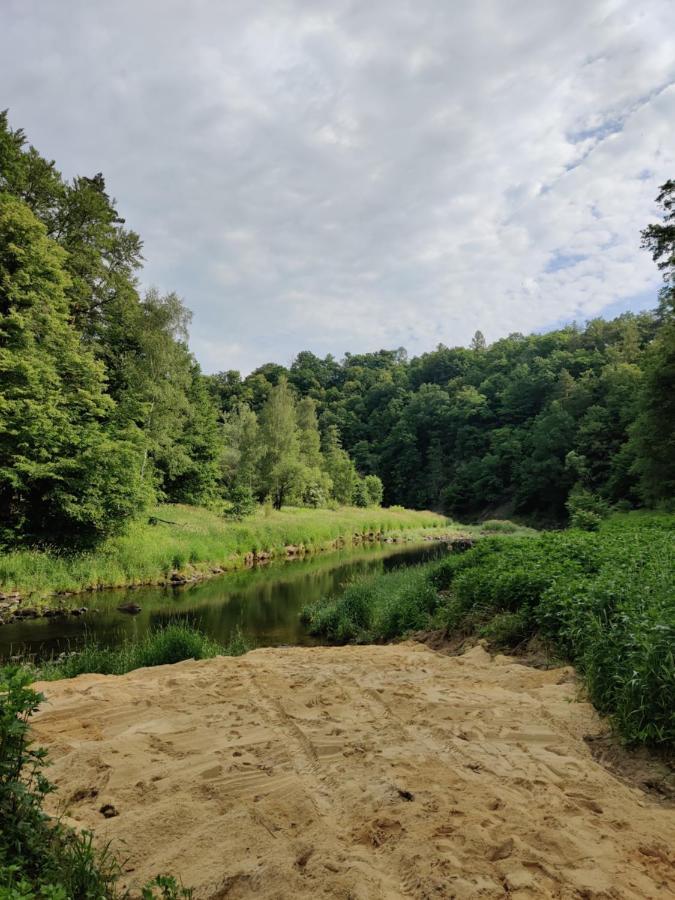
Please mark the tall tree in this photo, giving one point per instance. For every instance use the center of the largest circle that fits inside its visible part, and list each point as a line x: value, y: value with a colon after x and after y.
x: 654, y: 432
x: 64, y: 470
x: 281, y: 468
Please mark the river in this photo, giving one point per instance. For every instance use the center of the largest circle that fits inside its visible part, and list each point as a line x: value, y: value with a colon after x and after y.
x: 264, y: 602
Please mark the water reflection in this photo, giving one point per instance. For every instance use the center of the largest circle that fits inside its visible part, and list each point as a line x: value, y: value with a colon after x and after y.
x: 265, y: 602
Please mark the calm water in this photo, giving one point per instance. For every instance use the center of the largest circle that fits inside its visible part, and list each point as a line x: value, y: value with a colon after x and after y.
x: 265, y: 602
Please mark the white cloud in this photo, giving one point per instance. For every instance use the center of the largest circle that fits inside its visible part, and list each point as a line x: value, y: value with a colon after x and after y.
x: 347, y: 175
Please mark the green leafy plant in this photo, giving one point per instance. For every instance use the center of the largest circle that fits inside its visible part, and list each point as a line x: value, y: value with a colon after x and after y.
x: 165, y: 887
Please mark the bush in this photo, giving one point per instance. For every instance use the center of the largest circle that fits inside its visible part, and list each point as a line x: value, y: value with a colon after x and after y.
x: 499, y: 526
x: 586, y: 510
x: 242, y: 503
x: 39, y: 857
x: 360, y: 494
x: 604, y: 600
x: 374, y: 489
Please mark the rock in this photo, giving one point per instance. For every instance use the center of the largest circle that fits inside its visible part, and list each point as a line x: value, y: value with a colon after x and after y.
x: 177, y: 578
x: 78, y: 611
x: 51, y: 612
x: 26, y: 612
x: 131, y: 608
x: 303, y: 857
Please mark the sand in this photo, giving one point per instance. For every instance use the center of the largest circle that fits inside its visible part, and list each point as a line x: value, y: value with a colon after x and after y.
x: 355, y: 772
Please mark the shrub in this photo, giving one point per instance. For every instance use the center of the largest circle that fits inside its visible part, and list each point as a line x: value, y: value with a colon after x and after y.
x: 39, y: 857
x: 586, y: 510
x: 242, y: 503
x: 374, y: 489
x: 603, y: 600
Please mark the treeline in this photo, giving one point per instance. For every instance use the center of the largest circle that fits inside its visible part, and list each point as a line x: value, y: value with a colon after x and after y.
x: 103, y: 408
x: 531, y: 425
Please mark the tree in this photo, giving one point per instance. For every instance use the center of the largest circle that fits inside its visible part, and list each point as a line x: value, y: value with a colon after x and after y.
x: 308, y: 433
x: 192, y: 473
x: 653, y: 435
x: 374, y: 490
x: 64, y: 469
x: 478, y: 341
x: 339, y: 467
x: 241, y: 449
x: 281, y: 467
x: 659, y: 239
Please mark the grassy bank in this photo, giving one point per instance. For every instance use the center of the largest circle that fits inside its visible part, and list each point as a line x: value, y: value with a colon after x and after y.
x: 191, y: 541
x: 604, y: 601
x: 163, y: 646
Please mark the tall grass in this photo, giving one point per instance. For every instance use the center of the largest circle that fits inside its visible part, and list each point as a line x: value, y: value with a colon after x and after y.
x: 169, y: 644
x: 194, y: 540
x: 375, y: 608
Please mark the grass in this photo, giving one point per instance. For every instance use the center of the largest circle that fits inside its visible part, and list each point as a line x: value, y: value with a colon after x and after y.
x: 375, y: 608
x: 603, y: 600
x: 195, y: 541
x: 169, y: 644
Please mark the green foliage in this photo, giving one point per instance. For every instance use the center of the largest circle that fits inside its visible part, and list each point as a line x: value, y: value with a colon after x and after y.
x: 39, y: 858
x: 499, y: 526
x: 242, y: 503
x: 373, y: 609
x: 374, y: 490
x: 63, y: 470
x: 104, y: 409
x: 604, y: 600
x: 586, y: 510
x: 102, y: 406
x: 22, y: 784
x: 165, y: 887
x: 162, y: 646
x: 195, y: 540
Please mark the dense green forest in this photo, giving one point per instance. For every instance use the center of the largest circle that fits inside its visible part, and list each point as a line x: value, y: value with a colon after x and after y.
x: 104, y: 409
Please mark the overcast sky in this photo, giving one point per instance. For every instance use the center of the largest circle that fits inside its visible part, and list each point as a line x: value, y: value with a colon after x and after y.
x: 334, y: 175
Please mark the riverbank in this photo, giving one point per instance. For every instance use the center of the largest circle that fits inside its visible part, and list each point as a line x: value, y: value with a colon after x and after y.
x: 175, y: 544
x: 371, y: 772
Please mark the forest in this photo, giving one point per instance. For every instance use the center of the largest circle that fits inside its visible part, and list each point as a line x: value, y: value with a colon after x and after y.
x: 104, y: 409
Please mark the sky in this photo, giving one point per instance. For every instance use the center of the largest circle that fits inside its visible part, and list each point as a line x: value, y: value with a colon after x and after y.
x: 336, y: 176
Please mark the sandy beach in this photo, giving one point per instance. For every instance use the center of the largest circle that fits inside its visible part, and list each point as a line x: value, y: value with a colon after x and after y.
x: 354, y: 772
